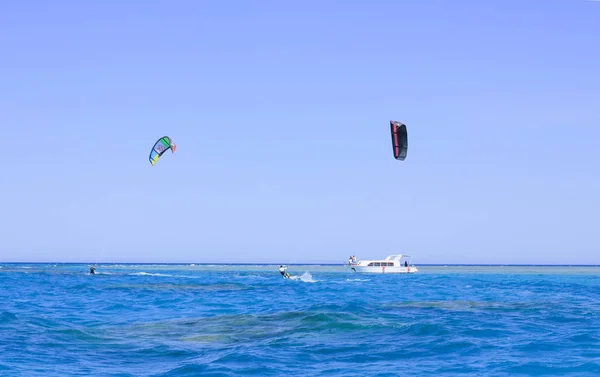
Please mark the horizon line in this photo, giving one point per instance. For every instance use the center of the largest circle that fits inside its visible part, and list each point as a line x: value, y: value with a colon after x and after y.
x: 312, y: 264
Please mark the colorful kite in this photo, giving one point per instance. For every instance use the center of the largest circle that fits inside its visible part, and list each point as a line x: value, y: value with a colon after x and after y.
x: 161, y: 146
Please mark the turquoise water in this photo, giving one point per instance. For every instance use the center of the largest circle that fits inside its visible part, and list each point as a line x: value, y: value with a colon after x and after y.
x: 227, y: 320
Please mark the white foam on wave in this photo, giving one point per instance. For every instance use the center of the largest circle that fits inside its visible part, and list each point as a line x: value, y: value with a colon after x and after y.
x: 148, y: 274
x: 249, y: 276
x: 305, y: 277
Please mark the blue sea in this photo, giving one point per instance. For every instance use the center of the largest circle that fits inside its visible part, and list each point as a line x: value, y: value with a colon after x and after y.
x: 246, y: 320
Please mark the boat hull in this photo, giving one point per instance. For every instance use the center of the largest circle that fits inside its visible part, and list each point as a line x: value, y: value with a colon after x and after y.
x: 382, y: 269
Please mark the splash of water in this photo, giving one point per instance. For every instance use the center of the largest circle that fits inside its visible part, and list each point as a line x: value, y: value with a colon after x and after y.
x: 305, y: 277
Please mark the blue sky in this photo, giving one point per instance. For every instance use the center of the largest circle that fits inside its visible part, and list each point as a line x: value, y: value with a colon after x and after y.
x: 280, y: 114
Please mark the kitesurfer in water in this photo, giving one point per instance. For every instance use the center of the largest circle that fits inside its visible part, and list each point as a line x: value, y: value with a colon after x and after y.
x: 283, y: 272
x: 92, y: 270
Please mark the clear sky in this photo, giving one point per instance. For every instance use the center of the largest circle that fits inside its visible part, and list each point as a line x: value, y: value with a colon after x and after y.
x: 280, y: 113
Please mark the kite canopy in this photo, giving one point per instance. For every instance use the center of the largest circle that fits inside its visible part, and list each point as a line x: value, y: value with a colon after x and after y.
x: 399, y: 140
x: 161, y: 146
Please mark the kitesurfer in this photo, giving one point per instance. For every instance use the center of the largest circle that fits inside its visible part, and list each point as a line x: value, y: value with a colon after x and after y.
x: 92, y: 270
x: 283, y: 272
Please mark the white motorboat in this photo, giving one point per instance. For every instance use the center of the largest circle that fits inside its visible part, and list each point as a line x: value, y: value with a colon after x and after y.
x: 393, y: 264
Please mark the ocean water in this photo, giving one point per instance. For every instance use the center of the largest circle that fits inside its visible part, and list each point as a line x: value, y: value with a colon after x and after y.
x: 228, y: 320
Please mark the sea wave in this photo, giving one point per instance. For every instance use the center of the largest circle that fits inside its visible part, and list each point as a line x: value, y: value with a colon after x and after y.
x: 245, y: 320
